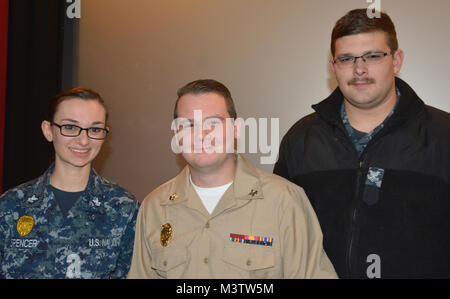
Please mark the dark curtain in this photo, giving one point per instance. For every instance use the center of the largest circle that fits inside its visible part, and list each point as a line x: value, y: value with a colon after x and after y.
x: 3, y: 56
x: 34, y: 72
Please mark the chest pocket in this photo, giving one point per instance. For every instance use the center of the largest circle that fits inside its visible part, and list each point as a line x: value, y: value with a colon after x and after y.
x: 25, y: 258
x: 169, y: 262
x: 98, y: 256
x: 250, y: 261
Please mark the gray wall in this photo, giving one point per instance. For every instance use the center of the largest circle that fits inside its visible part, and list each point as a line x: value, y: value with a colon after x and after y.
x: 272, y: 54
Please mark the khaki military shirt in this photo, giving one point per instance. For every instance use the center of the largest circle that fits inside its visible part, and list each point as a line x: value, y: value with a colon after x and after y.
x: 263, y: 227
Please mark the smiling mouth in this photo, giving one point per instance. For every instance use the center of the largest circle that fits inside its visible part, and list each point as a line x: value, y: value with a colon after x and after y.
x: 83, y: 151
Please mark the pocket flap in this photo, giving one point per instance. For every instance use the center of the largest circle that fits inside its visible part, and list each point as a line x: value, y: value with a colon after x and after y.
x: 167, y: 259
x: 249, y: 258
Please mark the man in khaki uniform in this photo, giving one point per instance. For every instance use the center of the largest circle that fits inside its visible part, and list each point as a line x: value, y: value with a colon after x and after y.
x: 221, y: 217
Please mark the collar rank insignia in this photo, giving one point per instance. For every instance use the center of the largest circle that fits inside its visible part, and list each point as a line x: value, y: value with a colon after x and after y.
x: 32, y: 199
x: 96, y: 202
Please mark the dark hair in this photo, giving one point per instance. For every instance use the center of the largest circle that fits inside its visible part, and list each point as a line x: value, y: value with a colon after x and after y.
x: 206, y: 86
x: 356, y: 21
x: 74, y: 93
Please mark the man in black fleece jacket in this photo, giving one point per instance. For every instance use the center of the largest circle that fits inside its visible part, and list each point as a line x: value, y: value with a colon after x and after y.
x: 374, y: 161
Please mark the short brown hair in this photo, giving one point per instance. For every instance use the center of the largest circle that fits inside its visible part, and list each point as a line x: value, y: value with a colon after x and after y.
x: 74, y: 93
x: 206, y: 86
x: 356, y: 21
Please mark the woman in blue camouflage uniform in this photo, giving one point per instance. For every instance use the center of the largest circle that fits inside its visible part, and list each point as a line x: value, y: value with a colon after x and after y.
x: 69, y: 222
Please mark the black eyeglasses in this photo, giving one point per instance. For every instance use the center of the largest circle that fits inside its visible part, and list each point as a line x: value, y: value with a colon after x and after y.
x: 74, y: 131
x: 369, y: 59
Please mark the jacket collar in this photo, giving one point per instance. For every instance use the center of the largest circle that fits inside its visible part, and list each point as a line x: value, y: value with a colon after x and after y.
x: 410, y: 105
x: 246, y: 186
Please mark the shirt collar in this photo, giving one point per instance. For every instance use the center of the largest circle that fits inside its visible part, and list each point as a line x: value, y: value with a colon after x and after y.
x: 94, y: 187
x: 246, y: 184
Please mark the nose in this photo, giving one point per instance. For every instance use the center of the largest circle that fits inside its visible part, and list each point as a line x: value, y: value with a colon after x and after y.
x: 83, y: 138
x: 359, y: 67
x: 197, y: 137
x: 206, y: 131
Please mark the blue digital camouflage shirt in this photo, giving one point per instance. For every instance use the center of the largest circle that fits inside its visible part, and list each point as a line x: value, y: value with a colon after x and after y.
x: 375, y: 175
x: 360, y: 139
x: 95, y: 240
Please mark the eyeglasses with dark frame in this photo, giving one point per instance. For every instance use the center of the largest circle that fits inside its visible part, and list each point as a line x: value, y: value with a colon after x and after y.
x: 371, y: 58
x: 69, y: 130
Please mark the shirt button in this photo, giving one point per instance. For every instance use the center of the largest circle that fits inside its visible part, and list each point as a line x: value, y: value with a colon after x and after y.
x: 205, y: 260
x: 207, y: 225
x: 249, y: 263
x: 165, y: 263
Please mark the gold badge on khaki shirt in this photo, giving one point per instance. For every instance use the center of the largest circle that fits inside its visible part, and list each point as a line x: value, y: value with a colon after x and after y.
x: 166, y: 234
x: 25, y: 225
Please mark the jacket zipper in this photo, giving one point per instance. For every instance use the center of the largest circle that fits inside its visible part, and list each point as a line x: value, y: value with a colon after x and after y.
x: 359, y: 178
x: 353, y: 217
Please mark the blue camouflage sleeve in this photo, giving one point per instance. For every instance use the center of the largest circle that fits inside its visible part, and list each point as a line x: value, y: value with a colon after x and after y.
x: 2, y: 234
x: 4, y: 214
x: 126, y: 248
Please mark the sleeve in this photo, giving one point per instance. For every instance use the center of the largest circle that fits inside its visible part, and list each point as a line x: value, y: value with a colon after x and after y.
x: 304, y: 256
x: 2, y: 234
x: 5, y: 213
x: 141, y: 261
x: 280, y: 167
x: 3, y: 223
x: 124, y: 258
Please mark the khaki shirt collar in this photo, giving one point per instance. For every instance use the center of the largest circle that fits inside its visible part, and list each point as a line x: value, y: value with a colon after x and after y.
x: 246, y: 185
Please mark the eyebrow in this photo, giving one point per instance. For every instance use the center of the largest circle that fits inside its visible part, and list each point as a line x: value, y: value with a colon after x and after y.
x: 77, y: 122
x: 367, y: 52
x: 209, y: 117
x: 215, y: 116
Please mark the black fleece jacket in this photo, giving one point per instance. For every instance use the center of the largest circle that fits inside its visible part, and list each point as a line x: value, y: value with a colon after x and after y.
x: 400, y: 230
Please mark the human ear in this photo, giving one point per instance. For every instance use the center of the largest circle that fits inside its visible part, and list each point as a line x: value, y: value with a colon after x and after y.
x: 47, y: 130
x: 332, y: 68
x: 398, y: 58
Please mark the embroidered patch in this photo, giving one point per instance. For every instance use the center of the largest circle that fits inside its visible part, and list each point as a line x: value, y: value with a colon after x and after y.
x: 254, y: 240
x: 375, y: 177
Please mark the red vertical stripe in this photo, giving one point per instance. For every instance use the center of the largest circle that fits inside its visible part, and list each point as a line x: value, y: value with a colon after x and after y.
x: 3, y: 55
